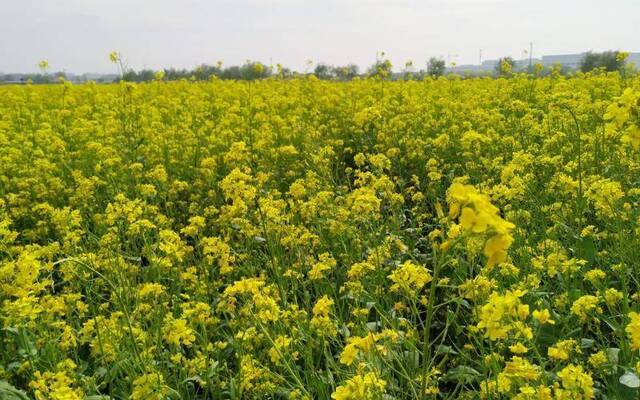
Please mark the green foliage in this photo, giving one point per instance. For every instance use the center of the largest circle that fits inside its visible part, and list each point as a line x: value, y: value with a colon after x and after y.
x: 505, y: 66
x: 324, y: 71
x: 382, y: 68
x: 608, y: 60
x: 435, y: 67
x: 9, y: 392
x: 346, y: 72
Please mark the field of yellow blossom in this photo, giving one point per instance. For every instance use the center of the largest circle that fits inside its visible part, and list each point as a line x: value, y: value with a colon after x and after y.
x: 302, y: 239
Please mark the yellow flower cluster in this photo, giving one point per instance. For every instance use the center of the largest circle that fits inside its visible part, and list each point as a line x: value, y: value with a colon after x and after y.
x: 410, y: 278
x: 633, y: 330
x: 505, y: 315
x: 623, y: 116
x: 361, y: 387
x: 149, y: 387
x: 479, y: 217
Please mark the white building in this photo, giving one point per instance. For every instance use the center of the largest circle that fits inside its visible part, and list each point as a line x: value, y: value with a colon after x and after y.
x: 566, y: 60
x: 573, y: 61
x: 635, y: 59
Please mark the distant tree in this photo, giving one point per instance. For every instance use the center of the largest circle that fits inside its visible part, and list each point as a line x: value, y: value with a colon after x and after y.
x: 382, y: 68
x: 57, y: 76
x: 144, y: 75
x: 324, y: 71
x: 409, y: 71
x: 283, y: 72
x: 172, y: 74
x: 250, y: 70
x: 205, y: 72
x: 436, y: 67
x: 253, y: 70
x: 505, y: 66
x: 590, y: 61
x: 232, y: 72
x: 609, y: 60
x: 346, y: 72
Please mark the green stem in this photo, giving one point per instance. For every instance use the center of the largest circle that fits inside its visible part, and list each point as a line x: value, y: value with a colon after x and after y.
x: 426, y: 349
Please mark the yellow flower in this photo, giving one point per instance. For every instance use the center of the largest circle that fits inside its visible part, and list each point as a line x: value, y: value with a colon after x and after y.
x: 562, y: 349
x: 177, y: 332
x: 503, y: 315
x: 321, y: 321
x: 217, y: 250
x: 326, y: 263
x: 576, y: 384
x: 365, y: 344
x: 632, y: 136
x: 598, y: 359
x: 633, y: 330
x: 56, y: 385
x: 150, y: 289
x: 149, y: 387
x: 361, y: 387
x: 518, y: 348
x: 349, y: 354
x: 280, y: 345
x: 595, y: 275
x: 521, y: 368
x: 479, y: 217
x: 584, y: 306
x: 114, y: 56
x: 409, y: 278
x: 496, y: 248
x: 612, y: 296
x: 323, y: 306
x: 543, y: 316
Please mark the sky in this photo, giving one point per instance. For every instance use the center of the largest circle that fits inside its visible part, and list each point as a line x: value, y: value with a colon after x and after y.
x: 78, y: 35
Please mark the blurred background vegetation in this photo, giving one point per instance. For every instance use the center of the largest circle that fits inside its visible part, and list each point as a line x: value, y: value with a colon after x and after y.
x: 435, y: 67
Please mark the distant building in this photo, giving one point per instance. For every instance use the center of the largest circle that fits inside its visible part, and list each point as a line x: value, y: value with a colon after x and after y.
x: 634, y: 58
x: 566, y: 60
x: 573, y: 61
x: 489, y: 64
x: 570, y: 61
x: 524, y: 63
x: 12, y: 82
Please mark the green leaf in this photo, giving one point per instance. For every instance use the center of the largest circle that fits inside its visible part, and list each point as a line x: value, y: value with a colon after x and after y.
x: 442, y: 349
x: 612, y: 355
x: 9, y: 392
x: 587, y: 343
x: 587, y: 249
x: 462, y: 302
x: 11, y: 330
x: 373, y: 326
x: 631, y: 380
x: 462, y: 374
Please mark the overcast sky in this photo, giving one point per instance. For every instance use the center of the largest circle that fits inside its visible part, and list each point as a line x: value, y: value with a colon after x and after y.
x: 77, y: 35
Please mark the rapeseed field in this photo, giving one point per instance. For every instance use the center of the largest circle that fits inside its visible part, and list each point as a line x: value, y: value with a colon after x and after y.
x: 302, y: 239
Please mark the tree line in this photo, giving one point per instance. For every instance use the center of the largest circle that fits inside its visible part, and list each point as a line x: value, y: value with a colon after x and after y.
x: 255, y: 70
x: 605, y: 61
